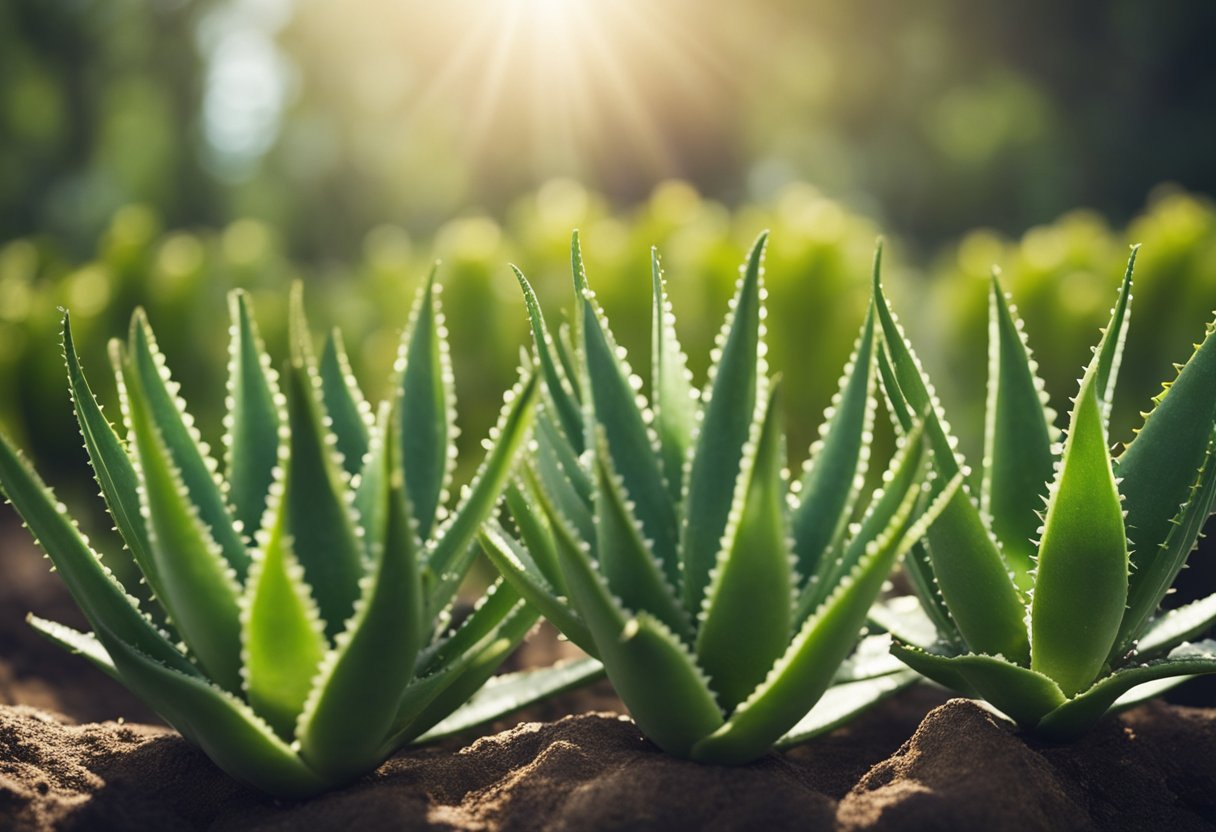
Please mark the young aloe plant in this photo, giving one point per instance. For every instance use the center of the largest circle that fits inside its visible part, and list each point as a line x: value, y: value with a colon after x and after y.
x: 1053, y: 617
x: 303, y: 596
x: 662, y: 538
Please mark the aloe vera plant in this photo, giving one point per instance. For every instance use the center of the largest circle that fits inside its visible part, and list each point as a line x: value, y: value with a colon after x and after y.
x: 1053, y: 616
x: 662, y: 537
x: 300, y: 629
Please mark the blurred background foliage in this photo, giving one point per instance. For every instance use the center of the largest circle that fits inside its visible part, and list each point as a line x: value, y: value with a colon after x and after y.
x: 162, y: 152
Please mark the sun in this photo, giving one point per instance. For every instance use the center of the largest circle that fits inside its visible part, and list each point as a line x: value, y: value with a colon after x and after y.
x: 577, y: 77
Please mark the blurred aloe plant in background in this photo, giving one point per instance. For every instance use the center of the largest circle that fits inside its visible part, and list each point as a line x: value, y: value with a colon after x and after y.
x: 661, y: 535
x: 294, y: 614
x: 1053, y: 615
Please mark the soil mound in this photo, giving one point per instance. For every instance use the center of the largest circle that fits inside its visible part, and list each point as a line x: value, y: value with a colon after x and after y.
x: 961, y: 769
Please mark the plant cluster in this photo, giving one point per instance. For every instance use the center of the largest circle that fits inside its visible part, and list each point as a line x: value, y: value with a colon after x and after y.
x: 292, y: 610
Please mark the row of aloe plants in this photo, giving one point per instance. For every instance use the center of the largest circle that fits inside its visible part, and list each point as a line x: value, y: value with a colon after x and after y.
x: 294, y: 612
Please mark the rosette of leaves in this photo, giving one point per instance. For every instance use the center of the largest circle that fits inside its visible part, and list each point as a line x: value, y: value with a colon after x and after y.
x: 662, y: 537
x: 293, y: 618
x: 1053, y: 615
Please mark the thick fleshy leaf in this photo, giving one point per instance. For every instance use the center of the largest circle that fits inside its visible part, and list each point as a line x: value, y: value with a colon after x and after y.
x: 673, y: 396
x: 511, y: 691
x: 734, y: 392
x: 98, y: 594
x: 282, y: 635
x: 495, y: 604
x: 652, y: 670
x: 559, y: 469
x: 1159, y: 465
x: 534, y: 532
x: 904, y: 472
x: 1160, y: 571
x: 561, y: 388
x: 200, y: 587
x: 321, y: 516
x: 453, y: 540
x: 630, y: 568
x: 1110, y: 350
x: 187, y: 452
x: 1080, y: 587
x: 357, y: 692
x: 842, y: 703
x: 516, y: 566
x: 746, y: 621
x: 112, y: 468
x: 471, y: 675
x: 254, y: 420
x: 614, y: 407
x: 836, y: 468
x: 348, y: 411
x: 1178, y: 625
x: 800, y: 677
x: 224, y: 727
x: 76, y: 642
x: 1076, y: 716
x: 1022, y: 694
x: 426, y: 409
x: 970, y: 571
x: 1018, y: 438
x: 904, y: 618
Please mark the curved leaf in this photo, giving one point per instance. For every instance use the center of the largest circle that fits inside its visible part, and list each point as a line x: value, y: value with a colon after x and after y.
x: 673, y: 396
x: 348, y: 411
x: 733, y: 395
x: 746, y: 621
x: 561, y: 388
x: 1081, y: 583
x: 1018, y: 438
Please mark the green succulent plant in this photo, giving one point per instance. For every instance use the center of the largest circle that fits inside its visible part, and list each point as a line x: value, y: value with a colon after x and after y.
x: 1054, y: 616
x: 295, y: 623
x: 662, y: 537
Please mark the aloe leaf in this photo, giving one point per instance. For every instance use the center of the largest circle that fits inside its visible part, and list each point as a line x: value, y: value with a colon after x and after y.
x: 613, y: 400
x: 969, y: 569
x: 673, y: 396
x: 841, y: 703
x: 535, y: 534
x: 560, y: 385
x: 839, y: 457
x: 746, y: 621
x: 224, y: 727
x: 1177, y: 625
x: 495, y: 604
x: 1151, y: 587
x: 565, y: 461
x: 187, y: 452
x: 735, y: 387
x: 1159, y: 465
x: 798, y: 679
x: 1022, y: 694
x: 1083, y: 545
x: 99, y: 595
x: 453, y: 539
x: 652, y: 670
x: 516, y: 566
x: 358, y: 690
x: 348, y: 410
x: 321, y: 516
x: 282, y: 635
x: 1110, y: 350
x: 1018, y: 437
x: 200, y: 585
x: 936, y: 663
x: 905, y: 618
x: 872, y: 657
x: 1077, y: 715
x: 551, y: 473
x: 74, y: 641
x: 426, y: 409
x: 254, y: 419
x: 511, y: 691
x: 904, y: 471
x: 472, y: 674
x: 628, y: 565
x: 112, y: 467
